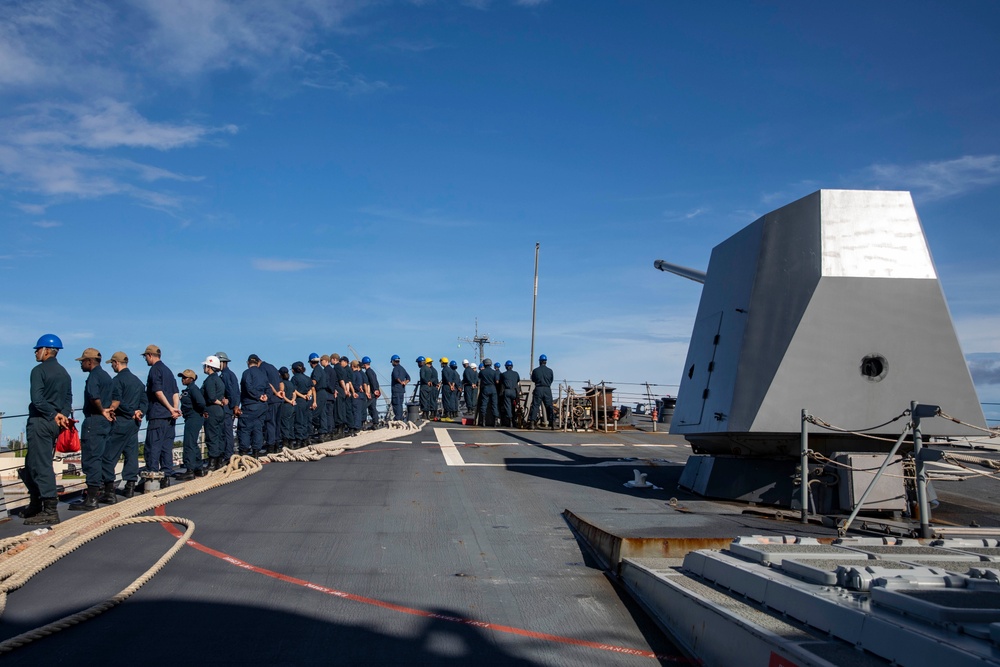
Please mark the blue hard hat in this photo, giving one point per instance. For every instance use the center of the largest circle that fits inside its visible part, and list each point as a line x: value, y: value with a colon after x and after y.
x: 453, y: 364
x: 49, y: 340
x: 497, y: 365
x: 366, y: 360
x: 313, y: 356
x: 508, y: 363
x: 542, y: 357
x: 421, y: 360
x: 394, y: 357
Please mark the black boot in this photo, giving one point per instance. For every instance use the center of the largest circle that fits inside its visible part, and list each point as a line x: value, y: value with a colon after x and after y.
x: 89, y: 503
x: 164, y: 481
x: 48, y: 516
x: 108, y: 497
x: 200, y: 471
x: 129, y: 489
x: 33, y: 507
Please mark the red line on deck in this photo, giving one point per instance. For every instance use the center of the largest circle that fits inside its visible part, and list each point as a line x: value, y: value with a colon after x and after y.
x: 173, y: 530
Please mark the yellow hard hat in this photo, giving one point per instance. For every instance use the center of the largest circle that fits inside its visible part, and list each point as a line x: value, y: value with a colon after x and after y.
x: 444, y: 360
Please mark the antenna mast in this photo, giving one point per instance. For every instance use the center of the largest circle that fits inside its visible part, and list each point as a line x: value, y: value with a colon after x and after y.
x: 481, y: 340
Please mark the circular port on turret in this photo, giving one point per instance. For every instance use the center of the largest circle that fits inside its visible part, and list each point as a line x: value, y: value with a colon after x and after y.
x: 874, y: 367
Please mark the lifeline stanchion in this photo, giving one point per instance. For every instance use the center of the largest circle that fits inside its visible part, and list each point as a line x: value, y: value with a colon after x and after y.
x: 804, y: 464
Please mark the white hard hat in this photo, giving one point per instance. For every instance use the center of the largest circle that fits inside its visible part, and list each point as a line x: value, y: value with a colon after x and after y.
x: 213, y: 362
x: 465, y: 362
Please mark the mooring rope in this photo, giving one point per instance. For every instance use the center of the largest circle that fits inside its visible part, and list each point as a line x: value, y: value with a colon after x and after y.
x: 23, y: 556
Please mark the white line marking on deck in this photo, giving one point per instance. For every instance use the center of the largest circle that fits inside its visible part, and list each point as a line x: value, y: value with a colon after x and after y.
x: 454, y: 458
x: 451, y: 454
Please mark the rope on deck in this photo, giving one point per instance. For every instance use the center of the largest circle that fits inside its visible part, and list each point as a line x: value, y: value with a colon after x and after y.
x: 25, y: 555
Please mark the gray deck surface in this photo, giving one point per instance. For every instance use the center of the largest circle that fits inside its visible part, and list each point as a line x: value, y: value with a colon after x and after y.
x: 421, y: 561
x: 389, y: 523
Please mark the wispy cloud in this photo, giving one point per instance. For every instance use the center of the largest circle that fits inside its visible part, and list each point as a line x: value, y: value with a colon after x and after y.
x: 429, y: 218
x: 67, y: 151
x: 46, y: 224
x: 328, y: 71
x: 33, y: 209
x: 985, y: 368
x: 938, y: 180
x: 100, y: 124
x: 675, y: 216
x: 281, y: 265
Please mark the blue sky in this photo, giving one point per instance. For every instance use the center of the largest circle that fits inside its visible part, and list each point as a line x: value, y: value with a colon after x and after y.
x: 304, y: 175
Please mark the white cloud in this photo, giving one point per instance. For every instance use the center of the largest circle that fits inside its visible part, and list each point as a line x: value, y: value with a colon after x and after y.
x: 938, y: 180
x: 192, y: 37
x: 62, y: 150
x: 281, y: 265
x: 46, y: 224
x: 100, y: 124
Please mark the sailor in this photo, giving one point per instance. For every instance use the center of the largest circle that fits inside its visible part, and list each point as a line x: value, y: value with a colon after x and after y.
x: 161, y: 419
x: 488, y: 377
x: 399, y: 379
x: 542, y: 376
x: 435, y: 389
x: 272, y: 429
x: 420, y: 383
x: 253, y: 407
x: 48, y: 413
x: 320, y: 390
x: 96, y: 426
x: 508, y: 400
x: 470, y: 382
x: 360, y: 395
x: 231, y: 404
x: 214, y: 392
x: 286, y: 412
x: 428, y: 378
x: 193, y: 408
x: 128, y: 406
x: 376, y: 392
x: 303, y: 393
x: 450, y: 383
x: 335, y: 414
x: 345, y: 393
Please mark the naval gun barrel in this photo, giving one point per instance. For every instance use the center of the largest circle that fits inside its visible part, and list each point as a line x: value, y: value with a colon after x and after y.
x: 683, y: 271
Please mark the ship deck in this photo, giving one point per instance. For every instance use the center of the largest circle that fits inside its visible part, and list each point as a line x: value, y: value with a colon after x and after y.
x: 447, y: 545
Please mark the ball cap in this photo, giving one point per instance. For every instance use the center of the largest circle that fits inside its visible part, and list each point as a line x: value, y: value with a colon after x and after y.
x: 283, y: 369
x: 188, y: 373
x: 119, y: 356
x: 89, y: 353
x: 253, y: 357
x: 152, y: 349
x: 223, y: 356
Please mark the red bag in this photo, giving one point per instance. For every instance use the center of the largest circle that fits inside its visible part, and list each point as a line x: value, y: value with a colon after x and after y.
x: 69, y: 439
